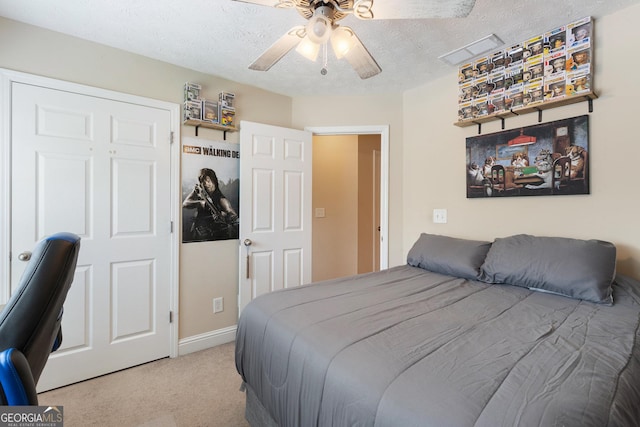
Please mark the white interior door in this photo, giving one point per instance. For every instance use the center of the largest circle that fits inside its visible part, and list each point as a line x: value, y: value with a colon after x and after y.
x: 275, y: 209
x: 99, y: 168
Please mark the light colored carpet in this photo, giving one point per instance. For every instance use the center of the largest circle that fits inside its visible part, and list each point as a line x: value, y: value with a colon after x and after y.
x: 198, y: 389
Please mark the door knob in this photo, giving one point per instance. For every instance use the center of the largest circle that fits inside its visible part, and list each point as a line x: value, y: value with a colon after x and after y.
x: 24, y: 256
x: 247, y: 242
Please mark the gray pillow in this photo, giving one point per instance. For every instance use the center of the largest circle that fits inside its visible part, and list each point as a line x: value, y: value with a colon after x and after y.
x: 582, y: 269
x: 448, y: 255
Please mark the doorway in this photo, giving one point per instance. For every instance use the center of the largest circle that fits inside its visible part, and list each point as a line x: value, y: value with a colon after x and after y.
x: 350, y: 185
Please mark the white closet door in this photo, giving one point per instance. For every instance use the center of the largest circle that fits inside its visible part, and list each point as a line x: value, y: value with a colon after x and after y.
x: 99, y: 168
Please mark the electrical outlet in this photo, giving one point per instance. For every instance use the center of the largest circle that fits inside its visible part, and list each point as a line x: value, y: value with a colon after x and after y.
x: 218, y: 305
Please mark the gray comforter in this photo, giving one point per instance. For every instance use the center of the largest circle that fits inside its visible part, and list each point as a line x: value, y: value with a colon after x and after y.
x: 408, y: 347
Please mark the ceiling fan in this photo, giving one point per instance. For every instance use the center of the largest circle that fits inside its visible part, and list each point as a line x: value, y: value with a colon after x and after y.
x: 322, y: 27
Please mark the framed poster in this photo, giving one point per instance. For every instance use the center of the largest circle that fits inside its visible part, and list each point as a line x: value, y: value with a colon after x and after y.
x: 545, y: 159
x: 210, y: 190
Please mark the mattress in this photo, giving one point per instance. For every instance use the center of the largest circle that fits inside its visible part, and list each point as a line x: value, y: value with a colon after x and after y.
x: 412, y: 347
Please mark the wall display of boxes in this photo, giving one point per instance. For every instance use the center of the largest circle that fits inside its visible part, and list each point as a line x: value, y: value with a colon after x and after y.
x: 544, y: 68
x: 199, y: 111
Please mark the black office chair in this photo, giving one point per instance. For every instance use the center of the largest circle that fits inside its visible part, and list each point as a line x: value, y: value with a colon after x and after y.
x: 30, y: 322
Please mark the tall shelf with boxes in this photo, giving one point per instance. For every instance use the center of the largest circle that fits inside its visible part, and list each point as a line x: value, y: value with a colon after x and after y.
x: 207, y: 113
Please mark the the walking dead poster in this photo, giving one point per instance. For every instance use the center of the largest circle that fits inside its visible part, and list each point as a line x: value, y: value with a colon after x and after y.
x: 210, y: 190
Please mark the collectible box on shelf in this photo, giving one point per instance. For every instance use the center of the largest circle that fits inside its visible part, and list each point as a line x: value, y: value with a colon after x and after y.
x: 545, y: 67
x: 210, y: 111
x: 555, y: 65
x: 533, y: 69
x: 496, y: 81
x: 555, y: 40
x: 192, y: 91
x: 192, y: 110
x: 480, y: 87
x: 514, y: 53
x: 579, y: 59
x: 465, y: 111
x: 496, y: 103
x: 532, y: 48
x: 480, y: 106
x: 514, y: 97
x: 466, y: 73
x: 482, y: 67
x: 227, y: 116
x: 578, y: 83
x: 227, y: 99
x: 513, y: 77
x: 555, y: 88
x: 533, y: 92
x: 579, y: 32
x: 465, y: 92
x: 498, y: 62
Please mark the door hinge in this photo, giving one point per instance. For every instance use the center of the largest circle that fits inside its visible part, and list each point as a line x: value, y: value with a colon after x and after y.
x: 171, y: 137
x: 170, y: 316
x: 171, y: 227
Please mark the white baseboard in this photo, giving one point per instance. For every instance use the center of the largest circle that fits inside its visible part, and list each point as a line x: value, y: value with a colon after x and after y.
x: 206, y: 340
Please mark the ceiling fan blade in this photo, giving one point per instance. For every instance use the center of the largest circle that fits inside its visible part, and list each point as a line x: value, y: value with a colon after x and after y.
x: 421, y: 9
x: 279, y: 49
x: 360, y: 58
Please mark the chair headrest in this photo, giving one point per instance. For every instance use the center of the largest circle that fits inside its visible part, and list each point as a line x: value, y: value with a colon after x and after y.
x: 30, y: 320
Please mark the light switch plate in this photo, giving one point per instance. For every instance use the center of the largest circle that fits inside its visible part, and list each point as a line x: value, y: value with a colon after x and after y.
x: 440, y: 216
x: 319, y: 212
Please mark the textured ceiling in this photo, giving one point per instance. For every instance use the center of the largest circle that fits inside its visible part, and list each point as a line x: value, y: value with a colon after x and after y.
x: 222, y: 37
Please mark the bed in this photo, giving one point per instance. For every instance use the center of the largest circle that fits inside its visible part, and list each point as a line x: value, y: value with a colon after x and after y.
x: 524, y: 330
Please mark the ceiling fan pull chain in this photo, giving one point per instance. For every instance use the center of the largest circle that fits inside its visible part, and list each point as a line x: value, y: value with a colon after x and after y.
x: 323, y: 71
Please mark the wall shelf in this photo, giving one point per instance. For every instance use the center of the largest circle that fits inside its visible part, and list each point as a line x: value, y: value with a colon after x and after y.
x: 199, y: 123
x: 588, y: 97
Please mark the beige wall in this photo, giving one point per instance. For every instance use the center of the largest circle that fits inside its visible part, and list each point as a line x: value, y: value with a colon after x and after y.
x: 335, y: 188
x: 434, y: 156
x: 207, y: 270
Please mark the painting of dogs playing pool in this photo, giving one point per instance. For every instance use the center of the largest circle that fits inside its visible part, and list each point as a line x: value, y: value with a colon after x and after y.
x: 542, y: 160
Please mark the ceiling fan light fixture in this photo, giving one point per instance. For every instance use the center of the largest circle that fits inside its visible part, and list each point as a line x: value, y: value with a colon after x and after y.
x: 319, y: 26
x: 342, y: 41
x: 308, y: 49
